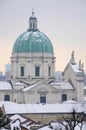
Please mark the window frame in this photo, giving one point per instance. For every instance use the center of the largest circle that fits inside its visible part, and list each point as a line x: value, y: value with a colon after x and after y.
x: 22, y: 71
x: 42, y: 98
x: 64, y: 97
x: 37, y: 71
x: 6, y: 97
x: 49, y: 71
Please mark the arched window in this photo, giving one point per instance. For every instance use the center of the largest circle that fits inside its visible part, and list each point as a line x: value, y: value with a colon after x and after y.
x: 64, y: 97
x: 7, y: 98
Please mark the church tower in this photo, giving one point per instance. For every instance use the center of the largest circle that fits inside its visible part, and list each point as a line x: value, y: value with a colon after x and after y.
x: 32, y: 56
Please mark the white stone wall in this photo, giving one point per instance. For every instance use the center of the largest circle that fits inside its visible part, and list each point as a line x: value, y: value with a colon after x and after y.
x: 29, y: 61
x: 52, y: 95
x: 6, y: 92
x: 77, y: 81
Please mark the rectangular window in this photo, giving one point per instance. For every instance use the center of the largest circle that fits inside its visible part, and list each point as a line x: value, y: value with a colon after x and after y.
x: 64, y: 97
x: 37, y: 71
x: 7, y: 98
x: 42, y: 99
x: 22, y: 71
x: 49, y: 71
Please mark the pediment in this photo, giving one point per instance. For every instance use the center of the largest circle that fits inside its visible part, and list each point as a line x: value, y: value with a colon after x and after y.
x: 43, y: 90
x: 41, y: 87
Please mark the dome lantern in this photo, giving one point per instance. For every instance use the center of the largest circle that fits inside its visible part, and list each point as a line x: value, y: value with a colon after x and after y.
x: 32, y: 22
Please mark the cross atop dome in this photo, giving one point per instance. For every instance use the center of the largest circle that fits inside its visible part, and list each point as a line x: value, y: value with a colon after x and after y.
x: 32, y: 11
x: 32, y: 22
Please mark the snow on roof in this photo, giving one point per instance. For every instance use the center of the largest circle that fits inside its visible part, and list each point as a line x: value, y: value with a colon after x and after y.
x: 5, y: 85
x: 71, y: 101
x: 57, y: 85
x: 56, y: 125
x: 45, y: 128
x: 75, y: 67
x: 13, y: 108
x: 31, y: 86
x: 25, y: 122
x: 16, y: 116
x: 62, y: 85
x: 18, y: 83
x: 15, y: 124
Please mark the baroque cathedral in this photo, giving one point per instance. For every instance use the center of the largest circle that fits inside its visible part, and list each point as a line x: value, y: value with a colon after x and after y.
x: 33, y: 71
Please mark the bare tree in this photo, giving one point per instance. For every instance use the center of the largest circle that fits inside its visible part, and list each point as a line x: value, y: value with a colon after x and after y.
x: 77, y: 119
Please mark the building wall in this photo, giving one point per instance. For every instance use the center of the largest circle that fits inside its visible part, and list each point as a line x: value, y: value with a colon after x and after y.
x: 46, y: 118
x: 52, y: 95
x: 6, y: 92
x: 77, y: 80
x: 33, y: 96
x: 29, y: 61
x: 15, y: 96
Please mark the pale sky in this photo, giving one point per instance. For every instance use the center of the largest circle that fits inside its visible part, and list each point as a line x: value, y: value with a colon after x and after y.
x: 63, y: 21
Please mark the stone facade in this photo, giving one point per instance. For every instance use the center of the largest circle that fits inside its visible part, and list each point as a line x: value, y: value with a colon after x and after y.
x: 47, y: 118
x: 33, y: 66
x: 41, y: 92
x: 74, y: 74
x: 29, y: 61
x: 51, y: 93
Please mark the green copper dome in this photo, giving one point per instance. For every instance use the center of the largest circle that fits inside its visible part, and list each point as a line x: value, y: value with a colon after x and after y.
x: 33, y: 41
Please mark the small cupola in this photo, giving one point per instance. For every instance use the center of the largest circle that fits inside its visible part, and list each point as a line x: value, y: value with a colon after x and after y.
x: 32, y: 23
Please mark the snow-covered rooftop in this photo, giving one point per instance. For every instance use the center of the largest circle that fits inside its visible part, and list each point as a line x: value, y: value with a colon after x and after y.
x: 62, y: 85
x: 19, y: 85
x: 75, y: 68
x: 24, y: 87
x: 56, y: 84
x: 25, y: 122
x: 45, y: 128
x: 16, y: 116
x: 5, y: 85
x: 31, y: 86
x: 13, y: 108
